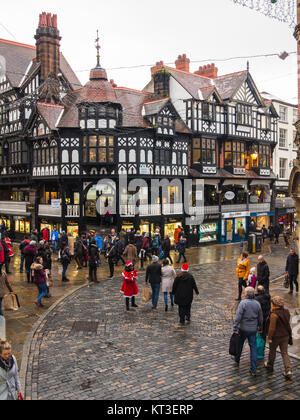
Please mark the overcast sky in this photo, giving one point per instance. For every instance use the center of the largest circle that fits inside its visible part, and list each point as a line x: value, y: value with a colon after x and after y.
x: 138, y: 32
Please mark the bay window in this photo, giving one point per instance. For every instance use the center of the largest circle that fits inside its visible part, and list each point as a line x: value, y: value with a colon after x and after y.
x: 98, y: 149
x: 244, y: 116
x: 234, y: 154
x: 204, y: 151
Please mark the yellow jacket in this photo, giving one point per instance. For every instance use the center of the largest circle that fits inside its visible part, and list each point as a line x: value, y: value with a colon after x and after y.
x: 243, y: 269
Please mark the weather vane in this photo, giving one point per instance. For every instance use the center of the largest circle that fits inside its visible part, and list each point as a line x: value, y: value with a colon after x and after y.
x: 98, y: 49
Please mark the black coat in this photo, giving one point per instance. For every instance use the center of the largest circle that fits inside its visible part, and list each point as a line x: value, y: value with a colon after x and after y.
x: 277, y: 230
x: 153, y: 273
x: 183, y: 289
x: 292, y: 265
x: 265, y: 302
x: 93, y: 254
x: 166, y: 245
x: 263, y: 274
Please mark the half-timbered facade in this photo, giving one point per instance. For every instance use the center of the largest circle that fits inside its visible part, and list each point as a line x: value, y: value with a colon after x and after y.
x: 64, y: 146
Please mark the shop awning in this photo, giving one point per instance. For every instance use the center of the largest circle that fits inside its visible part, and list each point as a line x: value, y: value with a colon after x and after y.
x: 243, y: 182
x: 211, y: 181
x: 260, y: 182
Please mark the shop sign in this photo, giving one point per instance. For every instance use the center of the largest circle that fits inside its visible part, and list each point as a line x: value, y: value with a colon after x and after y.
x: 291, y: 211
x: 229, y: 195
x: 211, y: 216
x: 55, y: 204
x: 235, y: 215
x: 29, y: 208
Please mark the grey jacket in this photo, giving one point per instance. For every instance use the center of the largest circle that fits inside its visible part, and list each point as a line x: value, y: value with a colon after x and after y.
x: 249, y: 316
x: 9, y: 383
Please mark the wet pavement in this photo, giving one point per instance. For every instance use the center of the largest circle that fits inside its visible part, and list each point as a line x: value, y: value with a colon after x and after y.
x: 19, y: 324
x: 89, y: 347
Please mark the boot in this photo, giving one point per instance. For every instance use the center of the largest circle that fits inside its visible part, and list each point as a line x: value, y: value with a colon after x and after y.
x: 133, y: 303
x: 166, y: 308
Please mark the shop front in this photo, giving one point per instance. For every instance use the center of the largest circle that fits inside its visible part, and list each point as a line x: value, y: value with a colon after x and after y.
x: 286, y: 216
x: 230, y: 224
x: 262, y: 219
x: 207, y: 233
x: 50, y: 224
x: 171, y: 224
x: 73, y: 228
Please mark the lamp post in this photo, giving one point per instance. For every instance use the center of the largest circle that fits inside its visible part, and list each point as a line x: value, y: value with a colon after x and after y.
x: 294, y: 187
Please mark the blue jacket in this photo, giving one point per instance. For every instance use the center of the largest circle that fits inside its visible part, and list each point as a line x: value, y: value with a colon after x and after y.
x: 249, y: 316
x: 99, y: 241
x: 54, y: 235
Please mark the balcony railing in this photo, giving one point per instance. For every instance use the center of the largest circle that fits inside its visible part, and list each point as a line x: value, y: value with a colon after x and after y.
x: 17, y: 208
x: 173, y: 208
x: 281, y: 203
x: 73, y: 210
x: 259, y: 208
x: 129, y: 210
x: 234, y: 208
x: 46, y: 210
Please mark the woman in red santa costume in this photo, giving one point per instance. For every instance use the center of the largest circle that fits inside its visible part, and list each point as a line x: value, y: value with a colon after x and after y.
x: 129, y: 287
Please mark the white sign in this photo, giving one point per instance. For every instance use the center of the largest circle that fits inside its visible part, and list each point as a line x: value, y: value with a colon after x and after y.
x: 55, y: 204
x: 235, y: 215
x: 229, y: 195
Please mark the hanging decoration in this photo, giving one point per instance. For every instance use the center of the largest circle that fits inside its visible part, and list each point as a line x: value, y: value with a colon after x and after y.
x: 282, y: 10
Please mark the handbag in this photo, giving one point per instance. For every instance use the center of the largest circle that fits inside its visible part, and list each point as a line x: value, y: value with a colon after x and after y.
x: 10, y: 302
x: 260, y: 345
x: 146, y: 294
x: 286, y: 283
x: 235, y: 345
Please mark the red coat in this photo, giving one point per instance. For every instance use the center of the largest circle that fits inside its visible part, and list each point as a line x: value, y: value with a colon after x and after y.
x: 9, y: 247
x: 129, y: 287
x: 46, y: 234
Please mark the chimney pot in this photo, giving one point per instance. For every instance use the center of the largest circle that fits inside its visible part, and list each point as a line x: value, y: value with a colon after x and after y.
x: 210, y: 71
x: 183, y: 63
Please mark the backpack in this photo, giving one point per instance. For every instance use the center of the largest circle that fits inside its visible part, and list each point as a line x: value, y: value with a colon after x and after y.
x: 65, y: 257
x: 155, y: 242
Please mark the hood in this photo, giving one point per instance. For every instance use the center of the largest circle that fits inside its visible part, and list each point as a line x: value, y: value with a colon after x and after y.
x: 184, y: 275
x: 36, y: 266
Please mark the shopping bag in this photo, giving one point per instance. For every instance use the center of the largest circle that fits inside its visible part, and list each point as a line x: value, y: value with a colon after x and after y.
x: 234, y: 346
x: 162, y: 255
x: 260, y: 345
x: 286, y: 283
x: 10, y: 302
x: 146, y: 294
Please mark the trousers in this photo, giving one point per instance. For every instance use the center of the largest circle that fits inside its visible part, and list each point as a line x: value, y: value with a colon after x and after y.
x: 282, y: 343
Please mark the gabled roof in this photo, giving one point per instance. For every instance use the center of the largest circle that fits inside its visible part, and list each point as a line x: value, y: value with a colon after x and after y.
x: 190, y: 81
x: 229, y: 84
x: 19, y: 57
x: 154, y: 107
x: 70, y: 117
x: 50, y: 113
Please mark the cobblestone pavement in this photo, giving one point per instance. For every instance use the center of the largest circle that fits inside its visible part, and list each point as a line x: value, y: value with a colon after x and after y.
x: 89, y: 347
x: 20, y: 323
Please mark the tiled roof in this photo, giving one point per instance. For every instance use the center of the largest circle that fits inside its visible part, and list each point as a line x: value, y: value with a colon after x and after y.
x: 50, y: 113
x: 154, y: 107
x: 18, y: 58
x: 190, y: 81
x: 97, y: 89
x: 132, y: 102
x: 228, y: 84
x: 70, y: 117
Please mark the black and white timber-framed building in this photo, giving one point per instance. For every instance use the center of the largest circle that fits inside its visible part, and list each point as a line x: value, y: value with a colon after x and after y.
x: 59, y: 139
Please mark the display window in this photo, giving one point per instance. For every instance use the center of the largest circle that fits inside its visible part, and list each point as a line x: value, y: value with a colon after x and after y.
x: 73, y: 229
x: 170, y: 230
x: 126, y: 226
x: 208, y: 232
x: 50, y: 226
x: 6, y: 222
x: 238, y: 223
x: 144, y: 227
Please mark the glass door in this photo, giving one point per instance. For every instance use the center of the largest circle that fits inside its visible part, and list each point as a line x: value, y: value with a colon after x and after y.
x: 229, y: 230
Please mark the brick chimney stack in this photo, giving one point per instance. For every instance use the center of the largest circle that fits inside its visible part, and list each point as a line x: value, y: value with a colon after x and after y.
x: 183, y: 63
x: 209, y: 71
x: 48, y: 45
x: 158, y: 66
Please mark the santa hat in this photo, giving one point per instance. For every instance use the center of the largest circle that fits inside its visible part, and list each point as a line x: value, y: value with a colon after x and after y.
x: 129, y: 264
x: 185, y: 267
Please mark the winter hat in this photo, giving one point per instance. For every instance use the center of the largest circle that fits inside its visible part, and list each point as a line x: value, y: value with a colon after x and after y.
x: 252, y: 271
x: 32, y: 243
x: 185, y: 267
x: 278, y: 301
x: 42, y: 242
x: 129, y: 264
x: 155, y: 258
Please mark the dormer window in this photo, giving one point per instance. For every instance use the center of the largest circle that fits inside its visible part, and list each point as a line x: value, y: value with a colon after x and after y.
x: 98, y: 117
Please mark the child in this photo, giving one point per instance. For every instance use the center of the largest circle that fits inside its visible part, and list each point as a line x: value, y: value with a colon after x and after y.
x: 252, y: 279
x: 129, y: 287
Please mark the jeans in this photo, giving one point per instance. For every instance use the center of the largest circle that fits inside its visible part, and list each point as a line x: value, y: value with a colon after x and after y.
x: 64, y: 272
x: 166, y: 298
x: 155, y: 294
x: 293, y: 279
x: 43, y: 291
x: 1, y: 313
x: 181, y: 254
x: 22, y: 263
x: 251, y: 336
x: 111, y: 267
x: 54, y: 243
x: 167, y: 255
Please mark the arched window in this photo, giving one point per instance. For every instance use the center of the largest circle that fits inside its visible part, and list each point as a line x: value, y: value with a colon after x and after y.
x: 75, y: 156
x: 65, y: 156
x: 150, y: 156
x: 174, y: 158
x: 184, y: 159
x: 132, y: 156
x: 143, y: 156
x: 122, y: 156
